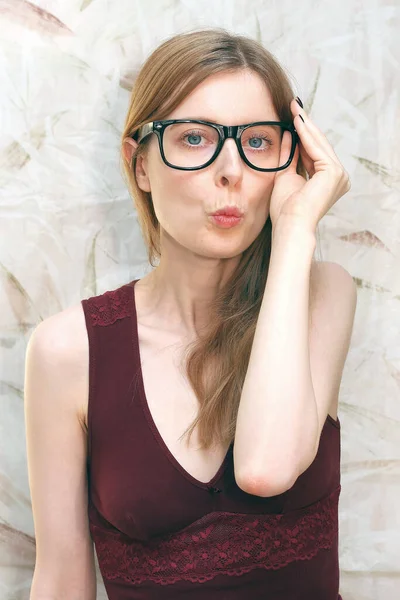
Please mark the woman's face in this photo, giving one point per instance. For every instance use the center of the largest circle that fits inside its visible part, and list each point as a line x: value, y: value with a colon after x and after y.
x: 184, y: 200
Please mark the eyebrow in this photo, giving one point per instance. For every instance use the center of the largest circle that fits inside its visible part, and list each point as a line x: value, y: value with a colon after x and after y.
x: 197, y: 118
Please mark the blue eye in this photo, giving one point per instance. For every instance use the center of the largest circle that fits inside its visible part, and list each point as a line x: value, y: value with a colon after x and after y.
x: 257, y: 140
x: 197, y: 139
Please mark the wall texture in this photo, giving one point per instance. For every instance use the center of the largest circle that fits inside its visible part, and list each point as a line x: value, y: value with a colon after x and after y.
x: 69, y: 230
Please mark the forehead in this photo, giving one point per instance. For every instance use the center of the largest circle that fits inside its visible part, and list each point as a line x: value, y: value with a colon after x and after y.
x: 228, y: 98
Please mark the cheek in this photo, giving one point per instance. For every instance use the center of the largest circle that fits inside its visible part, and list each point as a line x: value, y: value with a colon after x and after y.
x: 177, y: 200
x: 179, y: 190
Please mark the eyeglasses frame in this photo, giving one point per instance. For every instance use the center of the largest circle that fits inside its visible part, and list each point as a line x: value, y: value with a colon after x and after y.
x: 224, y: 132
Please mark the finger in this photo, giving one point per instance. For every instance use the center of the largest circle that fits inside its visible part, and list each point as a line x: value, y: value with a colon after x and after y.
x: 306, y: 160
x: 312, y: 145
x: 320, y: 138
x: 286, y: 145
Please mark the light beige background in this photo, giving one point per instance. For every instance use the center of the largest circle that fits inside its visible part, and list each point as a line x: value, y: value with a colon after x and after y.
x: 68, y: 227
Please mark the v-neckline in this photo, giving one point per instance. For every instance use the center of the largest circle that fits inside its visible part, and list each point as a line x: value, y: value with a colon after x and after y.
x: 149, y: 416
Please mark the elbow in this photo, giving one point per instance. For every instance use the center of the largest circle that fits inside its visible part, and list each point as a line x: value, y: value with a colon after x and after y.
x: 266, y: 486
x: 274, y: 480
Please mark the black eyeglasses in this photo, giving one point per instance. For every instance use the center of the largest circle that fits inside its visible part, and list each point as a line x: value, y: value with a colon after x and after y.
x: 189, y: 144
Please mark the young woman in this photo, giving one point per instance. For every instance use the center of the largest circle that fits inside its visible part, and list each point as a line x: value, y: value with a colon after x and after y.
x: 186, y: 422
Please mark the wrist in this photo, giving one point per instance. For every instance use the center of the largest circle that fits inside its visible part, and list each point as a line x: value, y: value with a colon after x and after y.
x: 290, y: 226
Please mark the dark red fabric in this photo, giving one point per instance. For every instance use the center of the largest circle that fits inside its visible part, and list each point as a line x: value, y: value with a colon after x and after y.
x: 159, y: 533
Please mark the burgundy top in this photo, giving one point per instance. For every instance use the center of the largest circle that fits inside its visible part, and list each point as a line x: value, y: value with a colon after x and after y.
x: 159, y: 533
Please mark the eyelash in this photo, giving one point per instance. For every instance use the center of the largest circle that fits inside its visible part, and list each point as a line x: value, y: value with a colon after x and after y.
x: 262, y: 137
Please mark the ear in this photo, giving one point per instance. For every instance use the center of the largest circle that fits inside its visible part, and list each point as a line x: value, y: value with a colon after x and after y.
x: 128, y: 147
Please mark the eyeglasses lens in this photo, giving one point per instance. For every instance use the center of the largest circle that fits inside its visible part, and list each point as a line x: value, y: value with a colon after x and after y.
x: 194, y: 144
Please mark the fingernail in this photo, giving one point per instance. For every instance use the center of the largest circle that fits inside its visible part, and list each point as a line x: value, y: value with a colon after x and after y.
x: 301, y: 118
x: 299, y: 102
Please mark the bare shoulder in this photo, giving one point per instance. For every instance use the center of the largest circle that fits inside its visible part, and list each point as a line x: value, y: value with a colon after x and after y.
x: 329, y: 278
x: 63, y: 340
x: 333, y: 299
x: 329, y: 268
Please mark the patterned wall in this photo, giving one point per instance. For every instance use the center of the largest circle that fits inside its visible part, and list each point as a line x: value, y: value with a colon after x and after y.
x: 68, y: 228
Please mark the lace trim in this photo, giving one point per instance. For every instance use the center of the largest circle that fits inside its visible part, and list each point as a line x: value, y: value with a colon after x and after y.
x: 110, y: 306
x: 220, y: 543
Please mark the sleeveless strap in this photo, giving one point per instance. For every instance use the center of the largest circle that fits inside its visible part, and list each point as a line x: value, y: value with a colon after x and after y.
x: 107, y: 308
x: 100, y: 311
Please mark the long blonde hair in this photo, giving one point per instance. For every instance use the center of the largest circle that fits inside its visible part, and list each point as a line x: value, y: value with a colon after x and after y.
x: 216, y: 363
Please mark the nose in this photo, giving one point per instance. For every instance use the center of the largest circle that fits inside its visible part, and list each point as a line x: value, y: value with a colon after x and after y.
x: 229, y: 164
